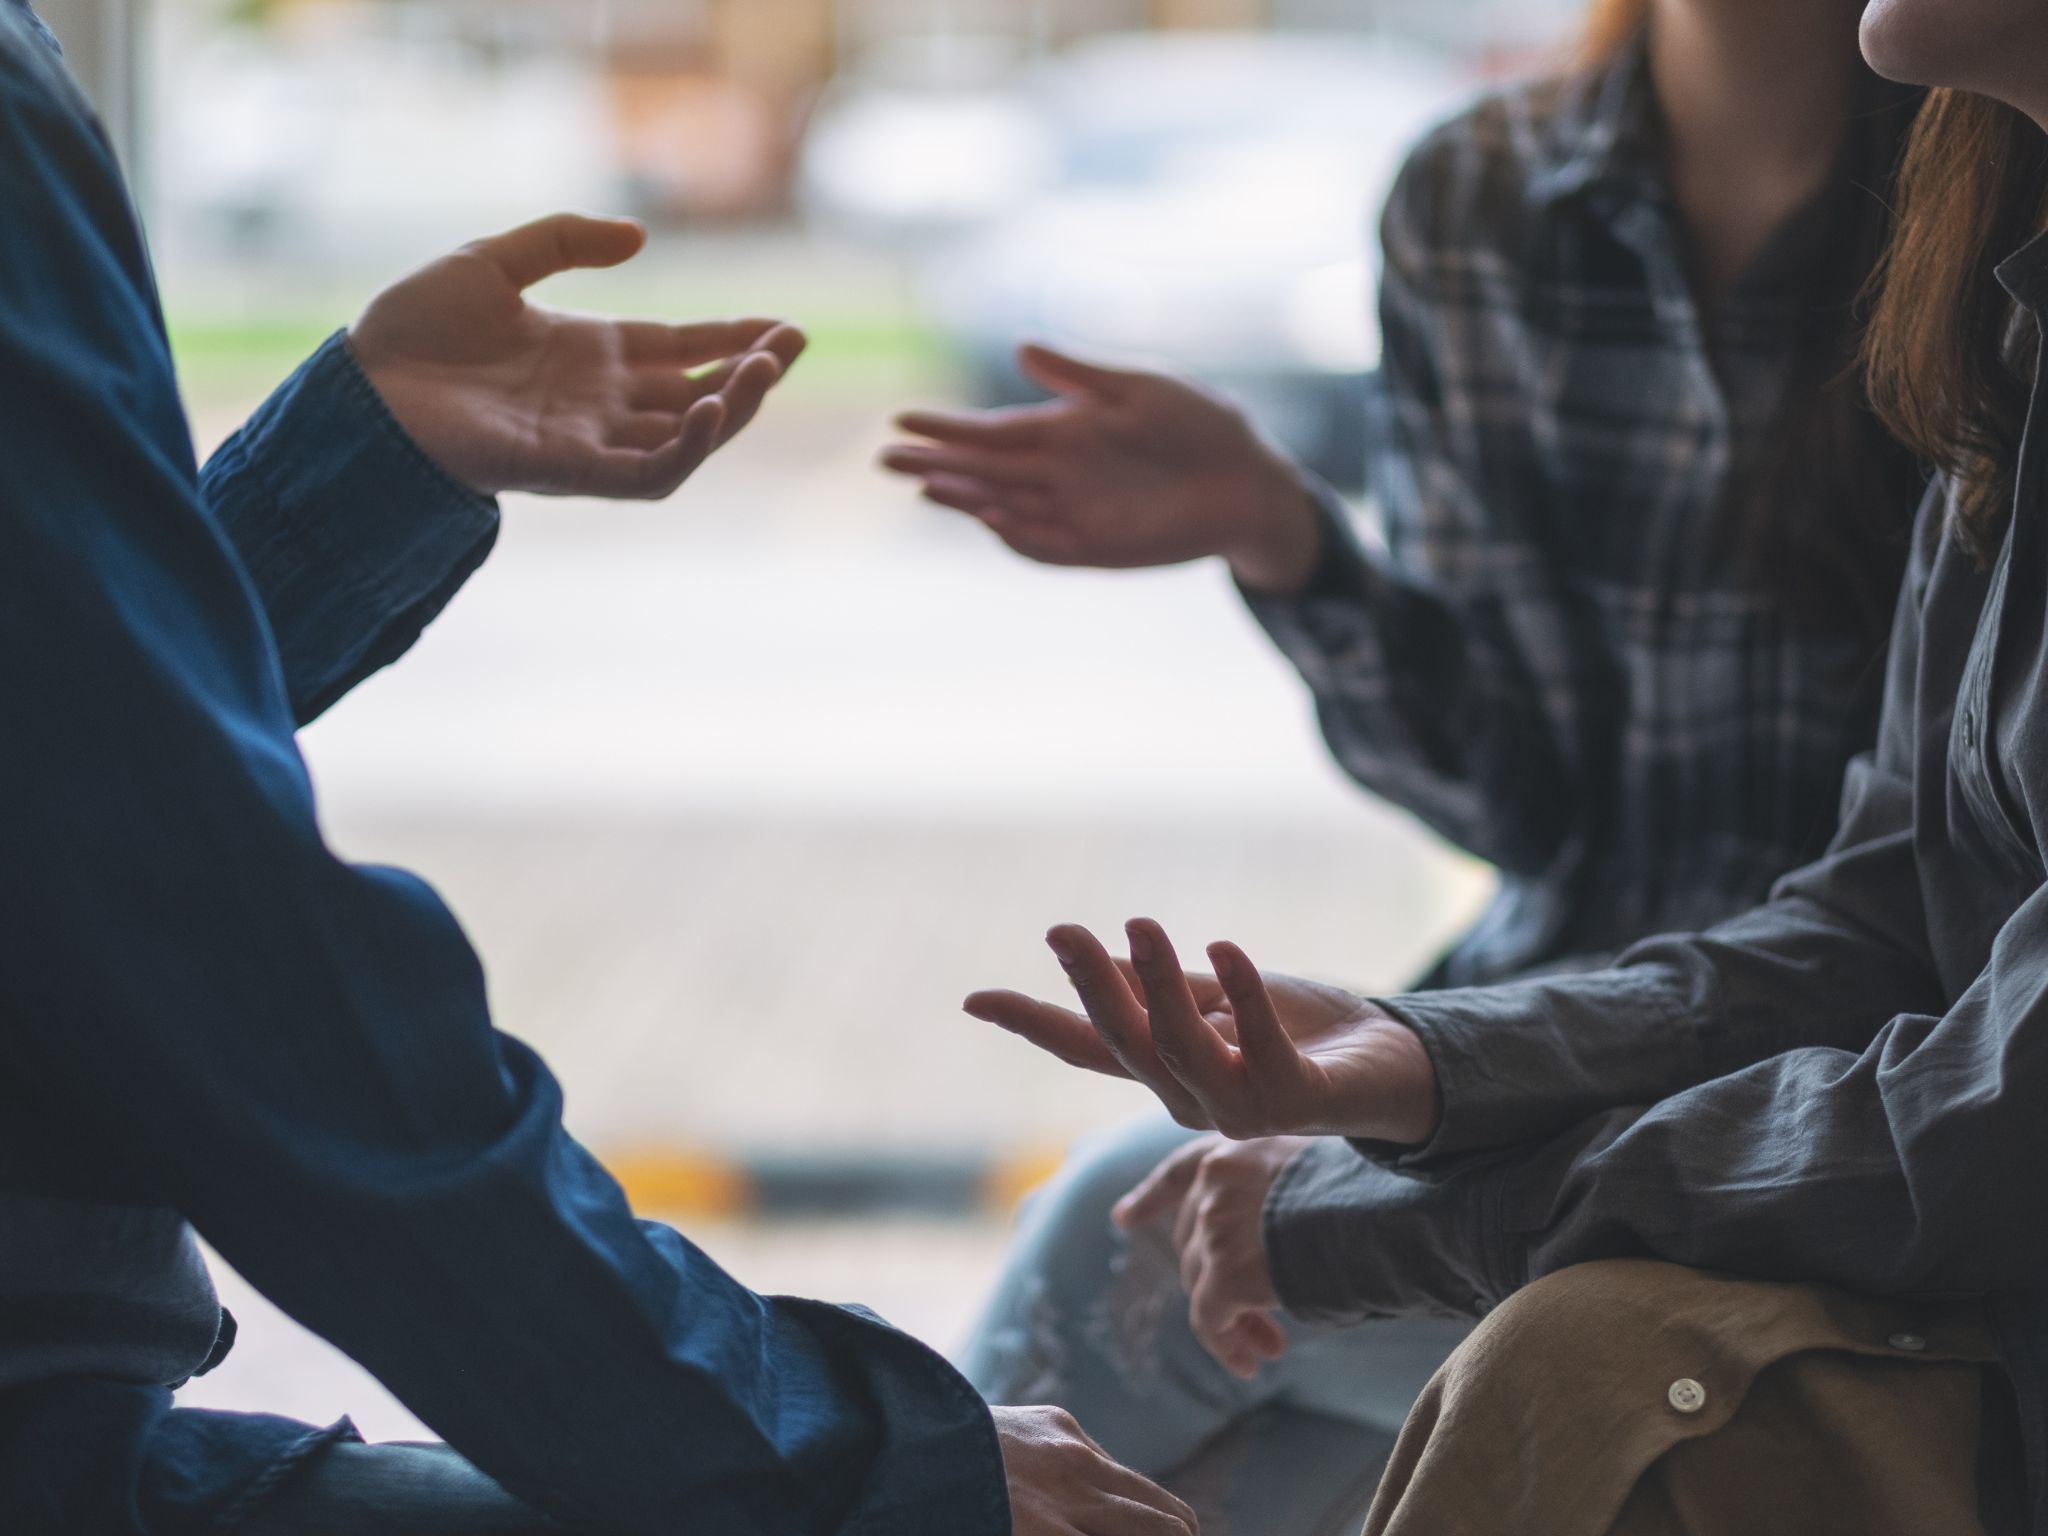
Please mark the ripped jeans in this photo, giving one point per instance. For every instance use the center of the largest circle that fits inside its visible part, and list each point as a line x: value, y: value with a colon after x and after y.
x: 1096, y: 1322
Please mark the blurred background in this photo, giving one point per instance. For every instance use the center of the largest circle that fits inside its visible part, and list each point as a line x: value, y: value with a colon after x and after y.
x: 740, y: 795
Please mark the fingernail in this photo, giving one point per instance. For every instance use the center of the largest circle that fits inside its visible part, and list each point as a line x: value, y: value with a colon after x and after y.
x: 1142, y: 948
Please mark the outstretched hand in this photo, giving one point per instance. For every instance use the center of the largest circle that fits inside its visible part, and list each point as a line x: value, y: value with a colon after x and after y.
x: 1121, y: 469
x: 508, y: 396
x: 1231, y: 1052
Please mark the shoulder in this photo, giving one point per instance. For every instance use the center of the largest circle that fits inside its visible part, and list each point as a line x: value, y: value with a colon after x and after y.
x: 1474, y: 180
x: 51, y: 144
x: 34, y: 84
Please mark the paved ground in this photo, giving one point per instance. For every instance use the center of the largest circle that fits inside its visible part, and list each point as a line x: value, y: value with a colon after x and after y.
x: 740, y: 796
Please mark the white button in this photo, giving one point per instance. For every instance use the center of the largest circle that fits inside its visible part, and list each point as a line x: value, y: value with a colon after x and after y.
x: 1687, y: 1395
x: 1912, y: 1343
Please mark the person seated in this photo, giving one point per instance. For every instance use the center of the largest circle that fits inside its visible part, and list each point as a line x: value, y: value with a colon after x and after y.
x: 1642, y: 542
x: 1755, y: 1216
x: 210, y: 1022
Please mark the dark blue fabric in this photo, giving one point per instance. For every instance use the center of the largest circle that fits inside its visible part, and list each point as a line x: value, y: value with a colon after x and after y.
x: 202, y: 1009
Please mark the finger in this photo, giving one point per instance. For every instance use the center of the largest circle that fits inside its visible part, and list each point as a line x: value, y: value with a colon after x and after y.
x: 1118, y: 1016
x: 1023, y: 470
x: 1132, y: 1517
x: 665, y: 388
x: 1187, y: 1229
x: 1209, y: 996
x: 974, y: 497
x: 1045, y: 543
x: 651, y: 344
x: 1218, y: 1321
x: 1013, y: 427
x: 1262, y: 1331
x: 1059, y: 1031
x: 1271, y: 1058
x: 1248, y: 1346
x: 1065, y: 374
x: 1164, y: 1188
x: 1198, y: 1057
x: 629, y: 474
x: 644, y: 430
x: 1154, y: 1507
x: 756, y: 375
x: 562, y: 242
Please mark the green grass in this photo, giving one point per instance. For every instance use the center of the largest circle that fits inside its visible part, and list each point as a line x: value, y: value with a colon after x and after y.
x: 235, y: 360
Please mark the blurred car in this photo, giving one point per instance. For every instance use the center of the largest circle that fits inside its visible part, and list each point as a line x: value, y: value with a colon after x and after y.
x: 363, y: 142
x: 1204, y: 206
x: 926, y: 138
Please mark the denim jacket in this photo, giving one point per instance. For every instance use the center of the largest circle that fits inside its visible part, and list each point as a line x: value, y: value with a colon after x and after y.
x: 207, y: 1017
x: 1847, y: 1085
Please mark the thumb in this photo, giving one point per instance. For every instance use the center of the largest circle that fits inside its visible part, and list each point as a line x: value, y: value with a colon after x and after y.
x: 563, y: 242
x: 1164, y: 1188
x: 1066, y: 375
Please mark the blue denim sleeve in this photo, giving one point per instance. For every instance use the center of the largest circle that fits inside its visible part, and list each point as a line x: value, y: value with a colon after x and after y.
x: 297, y: 1053
x: 354, y: 539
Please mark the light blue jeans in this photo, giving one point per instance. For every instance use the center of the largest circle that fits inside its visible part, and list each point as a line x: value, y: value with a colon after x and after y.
x: 1097, y: 1323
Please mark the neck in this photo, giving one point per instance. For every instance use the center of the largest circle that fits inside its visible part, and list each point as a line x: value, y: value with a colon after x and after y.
x: 1756, y: 100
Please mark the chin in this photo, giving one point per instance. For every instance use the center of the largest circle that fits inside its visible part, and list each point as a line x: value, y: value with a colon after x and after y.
x: 1898, y: 40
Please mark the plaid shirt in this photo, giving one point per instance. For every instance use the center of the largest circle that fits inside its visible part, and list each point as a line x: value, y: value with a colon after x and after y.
x: 1553, y: 656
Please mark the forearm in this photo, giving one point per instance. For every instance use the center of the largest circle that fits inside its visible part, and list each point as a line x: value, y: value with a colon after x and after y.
x: 1422, y: 700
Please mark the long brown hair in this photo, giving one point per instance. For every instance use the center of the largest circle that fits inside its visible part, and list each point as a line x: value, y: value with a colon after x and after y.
x: 1947, y: 364
x: 1819, y: 516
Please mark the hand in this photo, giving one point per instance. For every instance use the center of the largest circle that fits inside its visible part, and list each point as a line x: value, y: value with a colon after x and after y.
x: 1063, y: 1484
x: 507, y: 396
x: 1122, y: 470
x: 1229, y: 1053
x: 1215, y: 1190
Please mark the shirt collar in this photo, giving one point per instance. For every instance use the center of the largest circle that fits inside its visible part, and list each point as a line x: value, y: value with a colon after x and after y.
x: 1606, y: 132
x: 2024, y: 273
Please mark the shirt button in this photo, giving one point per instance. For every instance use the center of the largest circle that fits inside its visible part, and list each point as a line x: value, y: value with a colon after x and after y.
x: 1687, y: 1395
x: 1911, y: 1343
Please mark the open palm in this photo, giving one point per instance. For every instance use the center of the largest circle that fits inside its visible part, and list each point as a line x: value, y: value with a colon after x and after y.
x: 1236, y: 1052
x: 1123, y: 469
x: 507, y: 395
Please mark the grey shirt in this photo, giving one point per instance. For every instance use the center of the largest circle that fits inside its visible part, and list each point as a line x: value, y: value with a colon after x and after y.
x: 1848, y: 1084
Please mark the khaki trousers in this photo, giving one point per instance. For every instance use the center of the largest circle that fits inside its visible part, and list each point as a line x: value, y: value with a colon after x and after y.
x: 1643, y: 1399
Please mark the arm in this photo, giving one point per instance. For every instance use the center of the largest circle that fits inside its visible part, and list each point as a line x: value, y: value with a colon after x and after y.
x: 1440, y: 663
x: 353, y: 539
x: 1887, y: 1171
x: 297, y: 1052
x: 1440, y: 672
x: 360, y: 497
x: 1841, y: 948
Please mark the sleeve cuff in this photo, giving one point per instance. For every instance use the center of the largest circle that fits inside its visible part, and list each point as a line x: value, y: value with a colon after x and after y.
x: 1341, y: 574
x: 1348, y: 1240
x: 939, y: 1450
x: 354, y: 539
x: 1528, y: 1059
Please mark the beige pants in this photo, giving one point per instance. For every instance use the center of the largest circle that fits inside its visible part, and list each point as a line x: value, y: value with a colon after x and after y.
x: 1642, y: 1399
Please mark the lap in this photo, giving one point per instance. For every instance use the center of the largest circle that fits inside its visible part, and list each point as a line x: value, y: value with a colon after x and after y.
x: 1096, y: 1320
x: 1642, y: 1399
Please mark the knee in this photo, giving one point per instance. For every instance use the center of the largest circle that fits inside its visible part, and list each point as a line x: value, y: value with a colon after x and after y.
x: 1101, y: 1171
x: 1585, y: 1325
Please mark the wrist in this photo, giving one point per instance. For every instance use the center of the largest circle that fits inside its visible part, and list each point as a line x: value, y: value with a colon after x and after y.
x: 1284, y: 538
x: 1411, y: 1101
